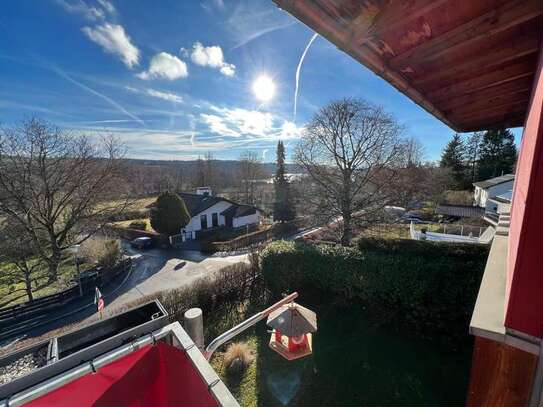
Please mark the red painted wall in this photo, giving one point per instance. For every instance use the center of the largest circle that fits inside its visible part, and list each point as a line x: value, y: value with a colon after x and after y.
x: 524, y: 298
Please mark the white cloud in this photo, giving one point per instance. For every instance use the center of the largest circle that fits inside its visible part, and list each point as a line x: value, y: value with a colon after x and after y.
x: 113, y: 39
x: 108, y: 6
x: 211, y: 56
x: 80, y: 7
x: 239, y: 122
x: 172, y: 97
x: 228, y: 69
x: 164, y: 65
x: 169, y: 96
x: 290, y: 130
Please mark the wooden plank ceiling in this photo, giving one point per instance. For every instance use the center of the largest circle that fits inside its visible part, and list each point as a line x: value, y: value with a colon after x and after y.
x: 470, y: 63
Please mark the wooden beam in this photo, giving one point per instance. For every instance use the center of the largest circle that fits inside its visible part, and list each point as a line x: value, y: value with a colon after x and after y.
x: 500, y: 375
x: 507, y: 89
x: 519, y: 47
x: 392, y: 16
x: 529, y: 62
x: 514, y: 119
x: 482, y: 81
x: 483, y: 114
x: 507, y: 15
x: 500, y: 104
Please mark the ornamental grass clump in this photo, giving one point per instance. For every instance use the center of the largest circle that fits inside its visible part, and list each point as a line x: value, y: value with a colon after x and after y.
x: 238, y: 357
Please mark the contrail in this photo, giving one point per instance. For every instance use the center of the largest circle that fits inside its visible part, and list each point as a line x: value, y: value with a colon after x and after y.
x: 64, y: 75
x: 313, y: 38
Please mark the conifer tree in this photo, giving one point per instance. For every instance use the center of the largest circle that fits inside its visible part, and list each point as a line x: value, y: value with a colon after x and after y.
x: 283, y: 209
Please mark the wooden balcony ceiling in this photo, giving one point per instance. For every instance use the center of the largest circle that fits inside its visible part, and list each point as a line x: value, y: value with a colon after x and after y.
x: 468, y: 62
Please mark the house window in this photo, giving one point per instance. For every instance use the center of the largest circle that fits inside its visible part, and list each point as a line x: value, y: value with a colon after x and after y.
x: 215, y: 220
x: 203, y: 221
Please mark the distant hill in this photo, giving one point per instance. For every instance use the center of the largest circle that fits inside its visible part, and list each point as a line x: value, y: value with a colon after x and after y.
x: 225, y: 166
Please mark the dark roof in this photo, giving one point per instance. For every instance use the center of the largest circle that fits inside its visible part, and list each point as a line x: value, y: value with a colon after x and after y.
x: 237, y: 211
x: 494, y: 181
x: 293, y: 320
x: 461, y: 211
x: 198, y: 203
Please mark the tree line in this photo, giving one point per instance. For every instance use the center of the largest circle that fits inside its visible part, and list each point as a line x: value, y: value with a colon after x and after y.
x: 480, y: 156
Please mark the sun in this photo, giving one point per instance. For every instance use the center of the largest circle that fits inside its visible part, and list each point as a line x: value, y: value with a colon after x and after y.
x: 264, y: 88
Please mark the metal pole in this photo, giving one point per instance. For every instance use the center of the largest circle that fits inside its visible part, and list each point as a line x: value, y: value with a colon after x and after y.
x: 221, y: 339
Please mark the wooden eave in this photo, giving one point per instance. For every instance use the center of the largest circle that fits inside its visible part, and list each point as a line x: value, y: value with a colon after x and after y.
x: 469, y: 63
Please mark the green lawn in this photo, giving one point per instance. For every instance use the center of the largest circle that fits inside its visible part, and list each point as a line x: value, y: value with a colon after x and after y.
x: 10, y: 296
x: 358, y: 360
x: 126, y: 224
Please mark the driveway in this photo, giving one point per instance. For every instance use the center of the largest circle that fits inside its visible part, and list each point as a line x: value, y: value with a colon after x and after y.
x: 159, y: 270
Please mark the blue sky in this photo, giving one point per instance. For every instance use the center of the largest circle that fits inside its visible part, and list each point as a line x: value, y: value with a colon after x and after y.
x: 174, y: 79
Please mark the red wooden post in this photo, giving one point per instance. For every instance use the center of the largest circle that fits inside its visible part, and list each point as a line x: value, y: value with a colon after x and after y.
x: 524, y: 298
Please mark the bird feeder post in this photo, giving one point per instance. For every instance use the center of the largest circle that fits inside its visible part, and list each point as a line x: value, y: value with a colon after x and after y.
x: 231, y: 333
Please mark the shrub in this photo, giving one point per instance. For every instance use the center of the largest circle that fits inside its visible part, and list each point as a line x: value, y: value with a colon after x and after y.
x: 138, y: 224
x: 238, y: 357
x: 430, y: 284
x: 103, y: 251
x: 169, y: 214
x: 219, y: 296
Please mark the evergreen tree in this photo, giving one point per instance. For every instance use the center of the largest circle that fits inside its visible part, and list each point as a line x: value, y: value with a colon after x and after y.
x: 453, y: 158
x: 169, y: 214
x: 283, y: 209
x: 473, y: 153
x: 498, y: 154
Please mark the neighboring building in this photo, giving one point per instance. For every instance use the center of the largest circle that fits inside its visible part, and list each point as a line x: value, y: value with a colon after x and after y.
x: 502, y: 207
x: 492, y: 187
x: 459, y: 211
x: 211, y: 212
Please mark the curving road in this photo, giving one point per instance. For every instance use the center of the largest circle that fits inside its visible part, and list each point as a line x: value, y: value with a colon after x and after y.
x: 159, y: 270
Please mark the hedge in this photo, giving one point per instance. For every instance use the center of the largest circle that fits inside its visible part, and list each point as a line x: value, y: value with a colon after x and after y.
x: 428, y: 284
x: 277, y: 230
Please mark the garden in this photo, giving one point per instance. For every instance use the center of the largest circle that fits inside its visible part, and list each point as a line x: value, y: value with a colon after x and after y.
x: 393, y: 320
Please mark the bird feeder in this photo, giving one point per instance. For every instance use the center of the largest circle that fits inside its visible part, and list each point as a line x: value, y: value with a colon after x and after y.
x: 292, y: 327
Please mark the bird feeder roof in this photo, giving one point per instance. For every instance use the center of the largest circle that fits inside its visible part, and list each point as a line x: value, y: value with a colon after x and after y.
x: 293, y: 320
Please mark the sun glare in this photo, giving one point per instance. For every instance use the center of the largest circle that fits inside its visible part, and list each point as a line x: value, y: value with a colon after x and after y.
x: 264, y: 88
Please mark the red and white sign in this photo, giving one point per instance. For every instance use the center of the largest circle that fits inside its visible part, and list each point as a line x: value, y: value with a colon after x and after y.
x: 99, y: 300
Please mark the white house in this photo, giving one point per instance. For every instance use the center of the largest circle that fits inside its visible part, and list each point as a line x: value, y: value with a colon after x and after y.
x: 484, y: 190
x: 209, y: 212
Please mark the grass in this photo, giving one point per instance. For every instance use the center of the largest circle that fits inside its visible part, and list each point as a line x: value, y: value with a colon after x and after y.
x: 387, y: 231
x: 139, y: 204
x: 244, y: 386
x: 126, y: 224
x: 10, y: 294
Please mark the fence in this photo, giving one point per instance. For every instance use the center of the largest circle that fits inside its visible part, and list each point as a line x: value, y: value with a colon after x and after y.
x: 275, y: 231
x: 16, y: 316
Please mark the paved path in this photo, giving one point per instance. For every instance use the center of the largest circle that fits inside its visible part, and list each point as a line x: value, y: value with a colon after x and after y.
x: 160, y: 270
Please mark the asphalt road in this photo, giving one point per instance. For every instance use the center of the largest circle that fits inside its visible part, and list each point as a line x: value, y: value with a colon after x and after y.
x: 153, y: 271
x: 159, y: 270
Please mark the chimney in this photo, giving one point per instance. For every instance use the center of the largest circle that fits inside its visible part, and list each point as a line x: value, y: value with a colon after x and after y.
x: 205, y: 191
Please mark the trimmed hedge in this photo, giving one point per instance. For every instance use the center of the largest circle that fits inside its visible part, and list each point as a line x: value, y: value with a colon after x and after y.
x: 430, y: 284
x: 277, y: 230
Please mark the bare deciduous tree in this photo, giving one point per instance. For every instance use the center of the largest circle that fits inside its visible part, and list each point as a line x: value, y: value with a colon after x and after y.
x: 249, y: 172
x: 18, y: 254
x: 59, y: 188
x: 351, y: 150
